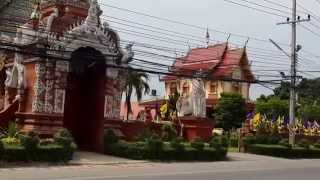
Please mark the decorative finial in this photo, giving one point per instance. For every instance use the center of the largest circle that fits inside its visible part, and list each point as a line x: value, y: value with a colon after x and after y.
x: 247, y: 41
x: 207, y: 37
x: 35, y: 15
x: 228, y: 37
x: 94, y: 13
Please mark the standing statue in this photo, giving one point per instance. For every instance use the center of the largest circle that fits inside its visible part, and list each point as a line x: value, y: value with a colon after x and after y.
x: 184, y: 106
x: 198, y: 98
x: 16, y: 75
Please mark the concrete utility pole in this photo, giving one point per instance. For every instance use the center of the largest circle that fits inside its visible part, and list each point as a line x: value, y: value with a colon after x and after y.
x: 293, y: 74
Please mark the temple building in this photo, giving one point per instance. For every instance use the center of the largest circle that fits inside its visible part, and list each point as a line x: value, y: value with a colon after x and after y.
x: 60, y: 71
x: 225, y: 70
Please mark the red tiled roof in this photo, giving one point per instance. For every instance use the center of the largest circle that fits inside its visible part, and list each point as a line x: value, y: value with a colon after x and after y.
x: 217, y: 59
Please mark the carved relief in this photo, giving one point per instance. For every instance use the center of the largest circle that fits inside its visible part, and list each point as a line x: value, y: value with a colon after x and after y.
x: 38, y: 104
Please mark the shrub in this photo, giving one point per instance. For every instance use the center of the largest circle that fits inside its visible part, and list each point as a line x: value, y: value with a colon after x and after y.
x: 47, y: 153
x: 249, y: 139
x: 30, y: 143
x: 140, y: 151
x: 12, y: 131
x: 304, y: 143
x: 197, y: 144
x: 1, y: 148
x: 63, y: 137
x: 285, y: 143
x: 234, y: 139
x: 177, y: 144
x: 63, y: 133
x: 154, y: 145
x: 11, y: 141
x: 48, y: 141
x: 317, y: 145
x: 110, y: 137
x: 282, y: 151
x: 144, y: 135
x: 168, y: 132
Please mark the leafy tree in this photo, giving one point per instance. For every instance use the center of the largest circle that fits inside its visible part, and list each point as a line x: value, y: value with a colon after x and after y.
x: 135, y: 81
x: 283, y: 91
x: 307, y: 89
x: 272, y: 107
x: 230, y: 111
x: 309, y: 112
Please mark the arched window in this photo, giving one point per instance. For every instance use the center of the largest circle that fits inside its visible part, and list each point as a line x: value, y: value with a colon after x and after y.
x: 185, y: 89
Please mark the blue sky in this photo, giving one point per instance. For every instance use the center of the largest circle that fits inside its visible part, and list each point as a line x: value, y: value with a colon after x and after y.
x: 222, y: 16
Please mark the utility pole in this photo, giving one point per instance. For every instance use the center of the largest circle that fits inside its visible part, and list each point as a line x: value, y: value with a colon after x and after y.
x: 293, y: 69
x: 292, y: 114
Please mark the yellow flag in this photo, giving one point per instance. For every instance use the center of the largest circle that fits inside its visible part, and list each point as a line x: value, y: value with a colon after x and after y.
x: 256, y: 120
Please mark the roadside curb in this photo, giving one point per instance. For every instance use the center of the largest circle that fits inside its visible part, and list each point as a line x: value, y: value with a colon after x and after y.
x: 105, y: 163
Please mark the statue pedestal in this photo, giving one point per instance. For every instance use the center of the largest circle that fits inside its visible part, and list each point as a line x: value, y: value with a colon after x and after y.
x: 195, y: 127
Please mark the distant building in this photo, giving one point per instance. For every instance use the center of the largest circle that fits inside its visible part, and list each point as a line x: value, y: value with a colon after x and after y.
x: 223, y: 65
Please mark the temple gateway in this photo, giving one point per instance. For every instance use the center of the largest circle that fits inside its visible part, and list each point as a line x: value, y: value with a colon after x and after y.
x: 59, y: 72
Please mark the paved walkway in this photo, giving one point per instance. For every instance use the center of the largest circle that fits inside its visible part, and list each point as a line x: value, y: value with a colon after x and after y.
x: 90, y: 158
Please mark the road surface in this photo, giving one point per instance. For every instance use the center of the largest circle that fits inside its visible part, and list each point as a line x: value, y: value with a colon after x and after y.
x: 242, y: 167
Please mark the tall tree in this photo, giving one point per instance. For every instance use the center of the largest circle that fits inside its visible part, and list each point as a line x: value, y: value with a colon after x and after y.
x: 135, y: 82
x: 230, y: 111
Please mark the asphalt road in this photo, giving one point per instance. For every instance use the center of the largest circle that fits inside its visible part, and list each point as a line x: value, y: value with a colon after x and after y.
x: 243, y: 167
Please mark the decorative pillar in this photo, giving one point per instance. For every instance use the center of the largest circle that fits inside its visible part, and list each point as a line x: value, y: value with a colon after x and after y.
x: 38, y: 104
x: 60, y: 85
x: 50, y: 91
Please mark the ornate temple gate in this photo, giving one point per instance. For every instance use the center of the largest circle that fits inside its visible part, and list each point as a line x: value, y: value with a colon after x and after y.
x: 67, y: 84
x: 84, y: 102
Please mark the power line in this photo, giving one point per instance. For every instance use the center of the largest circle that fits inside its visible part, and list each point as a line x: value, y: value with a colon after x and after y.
x: 256, y: 9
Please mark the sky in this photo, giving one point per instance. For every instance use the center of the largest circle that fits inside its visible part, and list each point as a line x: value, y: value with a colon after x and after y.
x: 219, y: 16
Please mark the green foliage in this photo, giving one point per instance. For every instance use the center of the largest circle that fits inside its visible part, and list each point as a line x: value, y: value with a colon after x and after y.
x: 1, y: 147
x: 30, y: 141
x: 49, y: 153
x: 48, y: 141
x: 11, y: 132
x: 310, y: 112
x: 168, y: 132
x: 285, y: 143
x: 198, y: 144
x: 141, y: 151
x: 283, y: 91
x: 154, y: 145
x: 135, y: 82
x: 177, y: 144
x: 261, y: 139
x: 144, y: 135
x: 304, y: 143
x: 230, y: 111
x: 110, y: 137
x: 272, y: 107
x: 308, y: 90
x: 11, y: 141
x: 219, y: 142
x: 234, y: 139
x: 317, y: 145
x: 283, y: 151
x: 63, y: 137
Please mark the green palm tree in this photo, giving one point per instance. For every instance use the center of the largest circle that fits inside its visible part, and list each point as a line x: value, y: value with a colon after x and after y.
x: 138, y: 82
